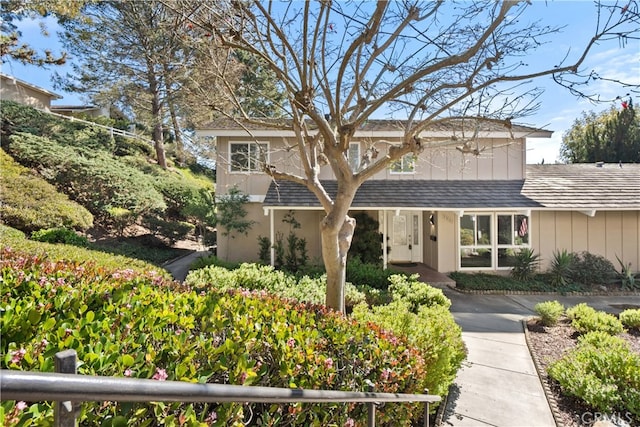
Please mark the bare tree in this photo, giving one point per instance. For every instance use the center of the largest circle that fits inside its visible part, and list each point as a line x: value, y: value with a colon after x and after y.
x: 433, y: 63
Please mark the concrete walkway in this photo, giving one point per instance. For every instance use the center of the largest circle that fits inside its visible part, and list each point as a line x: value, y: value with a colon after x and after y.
x: 498, y: 384
x: 179, y: 268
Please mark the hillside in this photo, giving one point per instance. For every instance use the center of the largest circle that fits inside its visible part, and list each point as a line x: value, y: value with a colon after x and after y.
x: 64, y: 174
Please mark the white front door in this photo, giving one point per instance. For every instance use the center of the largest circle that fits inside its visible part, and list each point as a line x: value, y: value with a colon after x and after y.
x: 405, y: 236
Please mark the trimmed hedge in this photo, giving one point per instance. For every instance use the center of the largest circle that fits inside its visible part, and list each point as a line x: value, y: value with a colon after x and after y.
x: 586, y: 319
x: 123, y: 323
x: 29, y: 203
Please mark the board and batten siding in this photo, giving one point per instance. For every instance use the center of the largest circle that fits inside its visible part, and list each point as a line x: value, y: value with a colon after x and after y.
x: 607, y: 233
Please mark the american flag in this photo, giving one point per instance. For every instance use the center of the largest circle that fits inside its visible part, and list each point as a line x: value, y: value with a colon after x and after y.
x: 524, y: 229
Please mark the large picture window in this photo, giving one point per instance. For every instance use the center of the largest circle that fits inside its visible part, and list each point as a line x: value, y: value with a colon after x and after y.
x: 492, y: 241
x: 247, y: 156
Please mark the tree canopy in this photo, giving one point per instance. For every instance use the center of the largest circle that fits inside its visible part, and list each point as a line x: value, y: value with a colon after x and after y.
x: 611, y: 136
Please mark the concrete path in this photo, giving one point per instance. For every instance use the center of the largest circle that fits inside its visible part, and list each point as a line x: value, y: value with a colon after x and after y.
x: 498, y: 384
x: 179, y: 268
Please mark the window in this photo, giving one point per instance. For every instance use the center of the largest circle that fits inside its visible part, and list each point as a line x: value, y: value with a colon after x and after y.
x: 406, y: 164
x: 247, y: 156
x: 354, y: 156
x: 513, y: 234
x: 475, y: 241
x: 483, y: 235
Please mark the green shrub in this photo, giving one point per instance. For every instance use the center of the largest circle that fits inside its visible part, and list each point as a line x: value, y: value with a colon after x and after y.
x: 366, y: 244
x: 627, y: 276
x: 562, y: 267
x: 631, y: 318
x: 256, y: 277
x: 29, y: 203
x: 170, y: 230
x: 525, y: 264
x: 593, y: 269
x: 549, y: 312
x: 431, y: 329
x: 96, y: 179
x: 603, y: 372
x: 60, y: 235
x: 586, y: 319
x: 123, y: 323
x: 213, y: 260
x: 417, y: 294
x: 368, y: 274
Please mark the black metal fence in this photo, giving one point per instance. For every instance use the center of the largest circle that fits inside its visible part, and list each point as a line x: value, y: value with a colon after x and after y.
x: 69, y: 390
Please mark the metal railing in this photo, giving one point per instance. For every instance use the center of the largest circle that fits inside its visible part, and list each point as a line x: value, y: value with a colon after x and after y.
x: 69, y: 390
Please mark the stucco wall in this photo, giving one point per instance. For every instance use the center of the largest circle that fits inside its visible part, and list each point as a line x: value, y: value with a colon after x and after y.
x: 15, y: 91
x: 608, y: 233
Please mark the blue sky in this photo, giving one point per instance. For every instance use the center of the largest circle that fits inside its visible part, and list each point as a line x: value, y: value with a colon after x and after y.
x: 558, y: 107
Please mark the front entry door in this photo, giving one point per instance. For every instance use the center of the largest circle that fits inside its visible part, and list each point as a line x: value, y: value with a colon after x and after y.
x: 405, y: 235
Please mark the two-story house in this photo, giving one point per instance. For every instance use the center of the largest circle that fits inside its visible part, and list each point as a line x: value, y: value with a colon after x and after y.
x: 457, y: 206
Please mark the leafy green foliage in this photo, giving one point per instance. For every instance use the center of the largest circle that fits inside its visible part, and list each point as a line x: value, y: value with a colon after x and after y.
x: 586, y: 319
x: 60, y: 235
x: 627, y: 276
x: 631, y: 318
x: 603, y: 372
x: 366, y: 244
x: 29, y: 203
x: 171, y: 230
x: 123, y: 323
x: 562, y: 267
x: 549, y: 312
x: 525, y: 264
x: 591, y: 269
x: 416, y: 293
x: 368, y: 274
x: 231, y: 213
x: 610, y: 136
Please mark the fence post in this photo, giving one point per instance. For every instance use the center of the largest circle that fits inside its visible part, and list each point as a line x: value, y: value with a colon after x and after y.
x: 371, y: 409
x: 426, y: 410
x: 64, y: 414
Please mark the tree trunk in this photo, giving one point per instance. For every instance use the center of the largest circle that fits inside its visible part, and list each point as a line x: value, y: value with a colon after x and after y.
x: 156, y: 117
x: 336, y: 240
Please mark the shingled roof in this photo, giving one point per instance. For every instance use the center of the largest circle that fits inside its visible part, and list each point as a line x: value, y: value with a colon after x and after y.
x: 547, y: 187
x: 225, y: 126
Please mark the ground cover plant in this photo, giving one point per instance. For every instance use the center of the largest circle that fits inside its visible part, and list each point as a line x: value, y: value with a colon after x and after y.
x: 592, y: 371
x: 127, y: 323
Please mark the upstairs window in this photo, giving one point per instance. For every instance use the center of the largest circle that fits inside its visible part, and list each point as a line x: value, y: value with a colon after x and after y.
x: 406, y: 164
x: 247, y: 156
x: 354, y: 156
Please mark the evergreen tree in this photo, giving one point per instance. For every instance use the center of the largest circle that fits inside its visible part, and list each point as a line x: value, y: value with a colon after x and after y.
x: 611, y: 136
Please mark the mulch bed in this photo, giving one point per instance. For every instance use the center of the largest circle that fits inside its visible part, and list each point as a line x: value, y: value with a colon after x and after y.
x: 548, y: 344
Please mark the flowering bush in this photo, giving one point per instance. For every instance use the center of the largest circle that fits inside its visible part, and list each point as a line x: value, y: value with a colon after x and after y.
x: 127, y: 323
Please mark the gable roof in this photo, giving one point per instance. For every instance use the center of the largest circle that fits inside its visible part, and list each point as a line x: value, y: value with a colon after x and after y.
x: 373, y: 128
x: 12, y: 80
x: 582, y: 187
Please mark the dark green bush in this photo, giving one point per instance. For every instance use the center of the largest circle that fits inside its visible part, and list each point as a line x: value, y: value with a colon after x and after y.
x: 586, y: 319
x: 593, y: 269
x: 29, y: 203
x: 368, y: 274
x: 549, y: 312
x: 366, y: 244
x: 60, y: 235
x: 603, y: 372
x: 170, y: 230
x: 16, y: 117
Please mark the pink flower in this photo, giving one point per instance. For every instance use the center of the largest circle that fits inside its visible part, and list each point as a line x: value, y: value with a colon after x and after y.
x: 291, y: 342
x: 20, y: 406
x: 160, y: 375
x: 18, y: 355
x: 328, y: 363
x: 127, y: 372
x: 350, y: 423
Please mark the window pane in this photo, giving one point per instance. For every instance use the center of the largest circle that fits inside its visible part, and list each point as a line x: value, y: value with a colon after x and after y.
x: 239, y: 157
x: 354, y: 156
x: 505, y: 230
x: 506, y: 257
x: 522, y: 231
x: 467, y: 227
x: 399, y: 230
x: 483, y: 236
x: 475, y: 258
